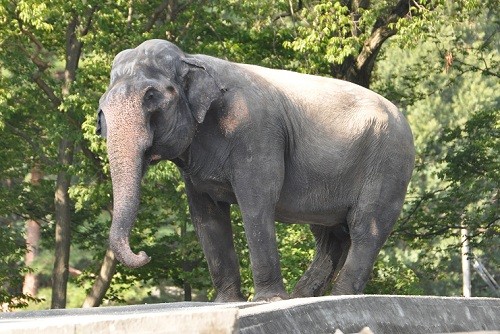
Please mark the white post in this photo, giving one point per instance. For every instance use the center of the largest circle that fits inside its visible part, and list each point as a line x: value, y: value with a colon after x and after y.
x: 465, y: 263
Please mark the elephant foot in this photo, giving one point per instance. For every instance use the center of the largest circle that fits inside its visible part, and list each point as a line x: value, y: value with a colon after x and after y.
x: 302, y: 293
x: 313, y: 283
x: 306, y: 288
x: 230, y: 297
x: 270, y: 297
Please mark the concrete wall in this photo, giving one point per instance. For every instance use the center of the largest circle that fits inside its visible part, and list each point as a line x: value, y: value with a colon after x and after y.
x: 382, y: 314
x: 344, y: 314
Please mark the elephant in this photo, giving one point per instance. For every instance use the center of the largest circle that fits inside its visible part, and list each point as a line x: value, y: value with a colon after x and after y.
x: 284, y: 146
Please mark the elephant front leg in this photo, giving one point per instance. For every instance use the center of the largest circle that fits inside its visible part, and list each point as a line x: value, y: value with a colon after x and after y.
x: 212, y: 223
x: 257, y: 196
x: 261, y: 237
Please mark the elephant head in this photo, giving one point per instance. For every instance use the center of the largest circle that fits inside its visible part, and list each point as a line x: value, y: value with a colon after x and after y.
x: 156, y: 98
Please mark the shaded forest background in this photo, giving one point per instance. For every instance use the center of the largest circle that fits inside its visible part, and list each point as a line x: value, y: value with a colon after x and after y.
x: 437, y: 60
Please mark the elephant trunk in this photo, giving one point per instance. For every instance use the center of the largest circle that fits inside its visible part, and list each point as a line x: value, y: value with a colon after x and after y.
x: 126, y: 175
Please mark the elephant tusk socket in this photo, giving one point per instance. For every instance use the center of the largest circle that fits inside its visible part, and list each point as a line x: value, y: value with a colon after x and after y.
x: 155, y: 158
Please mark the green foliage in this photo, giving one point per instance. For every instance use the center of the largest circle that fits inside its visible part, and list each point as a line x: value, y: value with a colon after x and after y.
x: 447, y: 87
x: 296, y: 248
x: 469, y: 166
x: 392, y: 276
x: 325, y: 36
x: 12, y: 248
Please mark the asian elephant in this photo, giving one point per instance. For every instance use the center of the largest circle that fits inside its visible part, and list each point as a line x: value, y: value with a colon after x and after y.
x: 284, y: 146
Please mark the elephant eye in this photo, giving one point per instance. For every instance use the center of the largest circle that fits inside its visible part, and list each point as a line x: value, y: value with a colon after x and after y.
x: 151, y: 93
x: 157, y: 99
x: 152, y: 99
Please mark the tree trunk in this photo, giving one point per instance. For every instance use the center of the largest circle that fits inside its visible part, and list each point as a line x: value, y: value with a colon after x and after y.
x: 30, y: 284
x: 66, y: 147
x: 186, y: 265
x: 188, y: 296
x: 103, y: 281
x: 63, y: 226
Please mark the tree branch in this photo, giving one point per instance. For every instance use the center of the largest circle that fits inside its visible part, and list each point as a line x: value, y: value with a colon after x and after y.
x: 73, y: 52
x: 419, y: 202
x: 175, y: 9
x: 156, y: 13
x: 359, y: 69
x: 102, y: 282
x: 39, y: 63
x: 37, y: 78
x: 292, y: 11
x: 28, y: 139
x: 88, y: 23
x: 74, y: 45
x: 94, y: 158
x: 484, y: 71
x: 29, y: 34
x: 35, y: 59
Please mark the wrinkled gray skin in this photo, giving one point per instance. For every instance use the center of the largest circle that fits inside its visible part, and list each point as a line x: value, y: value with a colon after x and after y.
x: 284, y: 146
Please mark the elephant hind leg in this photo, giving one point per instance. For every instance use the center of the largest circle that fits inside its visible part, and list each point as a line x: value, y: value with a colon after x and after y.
x: 369, y: 228
x: 332, y: 245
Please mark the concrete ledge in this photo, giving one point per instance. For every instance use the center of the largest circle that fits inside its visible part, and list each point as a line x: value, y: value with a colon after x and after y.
x: 382, y: 314
x: 199, y: 319
x: 342, y: 314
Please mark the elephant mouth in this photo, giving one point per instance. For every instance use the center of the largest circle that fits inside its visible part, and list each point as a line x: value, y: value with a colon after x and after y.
x: 154, y: 159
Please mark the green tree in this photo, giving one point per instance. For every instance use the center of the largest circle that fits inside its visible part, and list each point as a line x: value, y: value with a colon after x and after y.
x: 446, y: 83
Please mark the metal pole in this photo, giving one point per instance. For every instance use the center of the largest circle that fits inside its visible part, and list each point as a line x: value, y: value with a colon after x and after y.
x: 465, y: 263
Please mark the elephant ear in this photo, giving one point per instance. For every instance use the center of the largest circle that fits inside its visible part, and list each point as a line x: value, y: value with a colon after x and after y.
x: 101, y: 128
x: 201, y: 88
